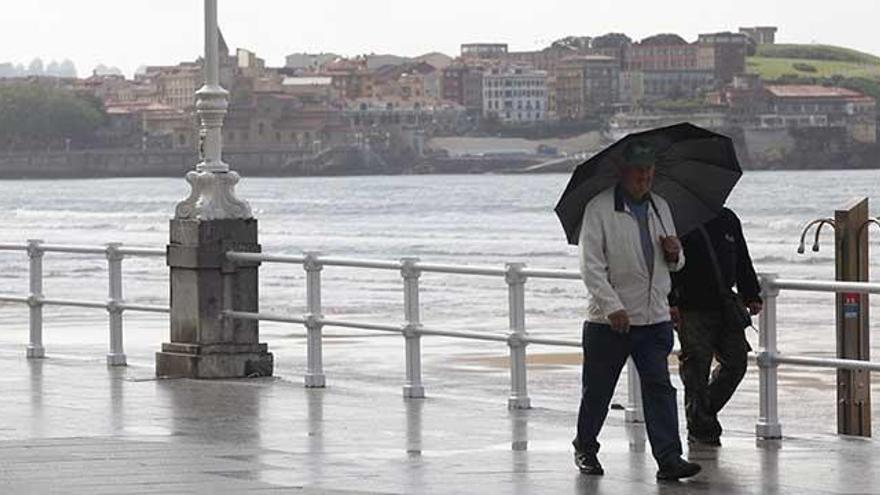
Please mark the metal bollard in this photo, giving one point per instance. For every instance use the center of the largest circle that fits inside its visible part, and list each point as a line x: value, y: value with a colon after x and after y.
x: 314, y: 354
x: 768, y: 426
x: 116, y: 356
x: 35, y: 347
x: 634, y: 412
x: 413, y: 388
x: 519, y: 395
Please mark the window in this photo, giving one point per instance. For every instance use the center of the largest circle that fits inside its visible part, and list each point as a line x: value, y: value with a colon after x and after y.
x: 261, y: 127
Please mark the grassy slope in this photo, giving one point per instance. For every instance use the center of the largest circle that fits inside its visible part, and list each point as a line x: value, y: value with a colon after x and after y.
x: 817, y: 52
x: 773, y: 68
x: 774, y: 61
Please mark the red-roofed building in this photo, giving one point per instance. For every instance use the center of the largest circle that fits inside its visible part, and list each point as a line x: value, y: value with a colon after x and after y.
x: 798, y: 105
x: 811, y: 106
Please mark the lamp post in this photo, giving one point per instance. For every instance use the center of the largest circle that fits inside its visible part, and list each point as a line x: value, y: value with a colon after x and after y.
x: 213, y: 183
x: 206, y: 225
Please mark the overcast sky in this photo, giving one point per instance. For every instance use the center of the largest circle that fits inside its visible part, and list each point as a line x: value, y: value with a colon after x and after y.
x: 128, y: 33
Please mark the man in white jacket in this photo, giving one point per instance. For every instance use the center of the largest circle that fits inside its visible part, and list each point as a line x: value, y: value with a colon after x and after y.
x: 627, y: 248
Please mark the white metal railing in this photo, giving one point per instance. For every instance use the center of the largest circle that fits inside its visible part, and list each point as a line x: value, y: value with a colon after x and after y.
x: 517, y: 338
x: 769, y: 358
x: 412, y: 329
x: 115, y: 303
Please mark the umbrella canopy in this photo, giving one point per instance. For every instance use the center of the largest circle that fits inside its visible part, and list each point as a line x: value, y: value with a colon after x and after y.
x: 695, y: 171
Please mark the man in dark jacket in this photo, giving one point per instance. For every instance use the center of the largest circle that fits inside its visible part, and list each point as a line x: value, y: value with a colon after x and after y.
x: 705, y: 330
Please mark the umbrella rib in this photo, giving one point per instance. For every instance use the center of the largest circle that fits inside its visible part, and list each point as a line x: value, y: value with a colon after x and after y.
x: 688, y: 189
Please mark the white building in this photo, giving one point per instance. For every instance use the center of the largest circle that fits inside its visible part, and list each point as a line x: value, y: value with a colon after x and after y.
x: 515, y: 95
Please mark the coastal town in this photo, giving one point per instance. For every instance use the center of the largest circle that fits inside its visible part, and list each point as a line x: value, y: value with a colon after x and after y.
x: 449, y: 248
x: 487, y: 109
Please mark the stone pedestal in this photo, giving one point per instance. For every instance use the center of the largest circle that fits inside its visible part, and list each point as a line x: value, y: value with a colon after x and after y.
x: 203, y: 284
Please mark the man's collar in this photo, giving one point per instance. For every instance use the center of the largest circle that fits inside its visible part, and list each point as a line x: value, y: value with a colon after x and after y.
x: 620, y: 198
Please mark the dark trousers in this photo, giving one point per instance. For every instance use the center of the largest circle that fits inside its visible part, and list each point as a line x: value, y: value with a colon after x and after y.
x: 704, y: 335
x: 605, y: 352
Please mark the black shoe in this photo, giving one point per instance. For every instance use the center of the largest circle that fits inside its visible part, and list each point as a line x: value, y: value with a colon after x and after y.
x: 704, y: 441
x: 677, y: 469
x: 588, y: 464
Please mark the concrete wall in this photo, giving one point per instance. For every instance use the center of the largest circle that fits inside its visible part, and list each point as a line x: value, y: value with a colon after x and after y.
x: 133, y: 163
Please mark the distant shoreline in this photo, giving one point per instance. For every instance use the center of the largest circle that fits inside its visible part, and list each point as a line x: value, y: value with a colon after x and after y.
x: 342, y: 163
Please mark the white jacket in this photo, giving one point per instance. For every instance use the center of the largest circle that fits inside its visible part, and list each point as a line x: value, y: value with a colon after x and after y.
x: 613, y: 265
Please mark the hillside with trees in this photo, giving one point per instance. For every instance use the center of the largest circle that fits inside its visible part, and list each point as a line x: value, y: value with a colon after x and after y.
x: 35, y: 117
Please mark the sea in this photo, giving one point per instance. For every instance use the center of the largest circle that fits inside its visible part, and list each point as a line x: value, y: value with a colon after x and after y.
x: 485, y: 220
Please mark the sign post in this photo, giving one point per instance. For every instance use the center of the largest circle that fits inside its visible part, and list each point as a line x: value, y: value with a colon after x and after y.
x: 853, y: 336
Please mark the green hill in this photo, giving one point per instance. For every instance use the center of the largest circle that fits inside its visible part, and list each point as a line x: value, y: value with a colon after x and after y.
x: 817, y: 64
x: 773, y: 68
x: 817, y: 52
x: 774, y: 62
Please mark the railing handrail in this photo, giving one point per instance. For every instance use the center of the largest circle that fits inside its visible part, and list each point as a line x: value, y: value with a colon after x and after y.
x: 13, y: 247
x: 84, y: 249
x: 542, y: 273
x: 826, y: 286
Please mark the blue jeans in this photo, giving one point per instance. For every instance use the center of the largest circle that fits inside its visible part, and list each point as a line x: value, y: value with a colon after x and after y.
x: 605, y: 353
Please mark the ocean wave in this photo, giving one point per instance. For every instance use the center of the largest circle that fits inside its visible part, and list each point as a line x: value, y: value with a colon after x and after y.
x: 118, y: 212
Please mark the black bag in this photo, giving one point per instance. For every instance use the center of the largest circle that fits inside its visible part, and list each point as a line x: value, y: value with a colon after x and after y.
x: 734, y: 311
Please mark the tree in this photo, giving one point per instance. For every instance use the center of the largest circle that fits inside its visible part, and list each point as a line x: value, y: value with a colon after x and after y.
x: 34, y: 117
x: 52, y: 69
x: 664, y: 40
x: 67, y: 69
x: 35, y: 68
x: 574, y: 43
x: 7, y: 70
x: 611, y: 40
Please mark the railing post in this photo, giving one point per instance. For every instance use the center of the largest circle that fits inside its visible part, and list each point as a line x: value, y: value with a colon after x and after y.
x: 314, y: 358
x: 634, y: 412
x: 768, y: 426
x: 35, y: 347
x: 116, y: 356
x: 519, y: 395
x: 413, y: 388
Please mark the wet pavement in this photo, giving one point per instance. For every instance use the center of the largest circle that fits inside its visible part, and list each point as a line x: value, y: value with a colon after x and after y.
x: 72, y: 425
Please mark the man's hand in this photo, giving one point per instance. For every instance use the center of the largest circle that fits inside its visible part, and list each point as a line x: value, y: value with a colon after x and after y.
x: 755, y: 307
x: 675, y: 316
x: 619, y: 321
x: 671, y: 248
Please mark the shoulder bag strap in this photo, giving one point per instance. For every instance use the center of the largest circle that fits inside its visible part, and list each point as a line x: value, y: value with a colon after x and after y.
x: 659, y: 217
x: 722, y: 289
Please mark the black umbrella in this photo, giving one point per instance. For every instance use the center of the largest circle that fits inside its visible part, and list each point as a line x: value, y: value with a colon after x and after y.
x: 696, y: 170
